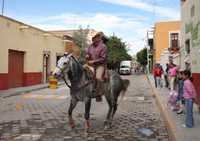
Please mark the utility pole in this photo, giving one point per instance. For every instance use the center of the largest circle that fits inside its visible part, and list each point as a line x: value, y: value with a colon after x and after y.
x: 2, y: 8
x: 148, y: 48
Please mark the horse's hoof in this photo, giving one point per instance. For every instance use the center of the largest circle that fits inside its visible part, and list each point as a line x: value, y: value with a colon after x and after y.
x: 72, y: 124
x: 86, y: 134
x: 105, y: 127
x: 87, y: 124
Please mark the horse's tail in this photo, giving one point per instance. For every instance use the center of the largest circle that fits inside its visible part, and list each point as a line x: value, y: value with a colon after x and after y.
x: 125, y: 85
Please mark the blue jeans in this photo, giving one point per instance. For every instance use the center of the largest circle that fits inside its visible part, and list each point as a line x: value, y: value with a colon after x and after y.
x: 180, y: 90
x: 189, y: 113
x: 158, y: 81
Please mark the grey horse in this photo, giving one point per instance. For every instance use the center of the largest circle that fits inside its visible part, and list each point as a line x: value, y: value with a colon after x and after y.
x: 82, y: 88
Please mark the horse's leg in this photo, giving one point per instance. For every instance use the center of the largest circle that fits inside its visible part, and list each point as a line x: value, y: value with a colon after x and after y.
x: 73, y: 103
x: 87, y: 113
x: 107, y: 122
x: 114, y: 105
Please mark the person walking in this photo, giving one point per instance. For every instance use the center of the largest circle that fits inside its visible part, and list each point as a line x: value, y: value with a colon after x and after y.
x: 96, y: 56
x: 189, y: 94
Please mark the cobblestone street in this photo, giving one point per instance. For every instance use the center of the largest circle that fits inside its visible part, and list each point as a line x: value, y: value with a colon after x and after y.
x: 42, y: 116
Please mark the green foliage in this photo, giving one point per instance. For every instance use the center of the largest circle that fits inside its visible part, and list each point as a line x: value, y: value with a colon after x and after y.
x: 117, y: 52
x: 80, y: 39
x: 142, y: 56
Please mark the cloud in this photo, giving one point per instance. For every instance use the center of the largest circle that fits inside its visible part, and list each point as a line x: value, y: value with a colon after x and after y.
x: 131, y: 28
x: 147, y: 6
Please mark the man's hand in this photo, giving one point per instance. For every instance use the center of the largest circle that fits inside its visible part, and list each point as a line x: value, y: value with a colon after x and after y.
x: 87, y: 56
x: 91, y: 62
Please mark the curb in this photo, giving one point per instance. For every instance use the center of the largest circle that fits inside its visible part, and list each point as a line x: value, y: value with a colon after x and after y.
x: 169, y: 122
x: 28, y: 90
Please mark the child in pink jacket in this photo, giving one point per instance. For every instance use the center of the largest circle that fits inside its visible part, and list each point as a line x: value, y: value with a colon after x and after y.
x: 189, y: 94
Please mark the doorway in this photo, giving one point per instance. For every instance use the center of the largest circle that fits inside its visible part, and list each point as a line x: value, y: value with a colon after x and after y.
x: 46, y: 67
x: 15, y: 68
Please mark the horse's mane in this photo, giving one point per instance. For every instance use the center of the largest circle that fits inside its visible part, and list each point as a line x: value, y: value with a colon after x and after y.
x: 77, y: 71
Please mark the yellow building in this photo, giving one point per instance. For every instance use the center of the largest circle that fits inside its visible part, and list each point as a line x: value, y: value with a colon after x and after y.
x: 27, y: 54
x: 166, y: 40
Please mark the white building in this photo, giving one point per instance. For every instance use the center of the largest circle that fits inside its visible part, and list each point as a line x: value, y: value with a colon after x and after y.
x: 190, y: 39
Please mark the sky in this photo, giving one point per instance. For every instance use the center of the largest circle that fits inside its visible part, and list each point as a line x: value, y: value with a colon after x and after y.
x: 128, y: 19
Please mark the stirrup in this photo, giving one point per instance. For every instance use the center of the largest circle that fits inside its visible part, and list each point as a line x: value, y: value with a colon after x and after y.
x: 99, y: 98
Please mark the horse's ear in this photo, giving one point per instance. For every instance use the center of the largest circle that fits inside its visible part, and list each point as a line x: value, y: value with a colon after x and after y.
x: 70, y: 55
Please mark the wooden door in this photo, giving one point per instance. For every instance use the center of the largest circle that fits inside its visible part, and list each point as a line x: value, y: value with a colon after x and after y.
x: 15, y: 68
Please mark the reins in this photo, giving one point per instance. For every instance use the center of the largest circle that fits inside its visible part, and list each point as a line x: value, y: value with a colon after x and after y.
x: 68, y: 85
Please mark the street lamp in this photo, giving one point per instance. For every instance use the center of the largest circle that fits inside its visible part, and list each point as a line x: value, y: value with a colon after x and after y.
x: 2, y: 8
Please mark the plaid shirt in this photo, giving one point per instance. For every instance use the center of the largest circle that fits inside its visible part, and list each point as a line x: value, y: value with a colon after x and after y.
x: 97, y: 53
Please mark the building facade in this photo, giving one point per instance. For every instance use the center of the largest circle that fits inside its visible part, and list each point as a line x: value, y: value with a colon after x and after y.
x: 166, y: 42
x: 27, y: 54
x: 70, y: 33
x: 190, y: 39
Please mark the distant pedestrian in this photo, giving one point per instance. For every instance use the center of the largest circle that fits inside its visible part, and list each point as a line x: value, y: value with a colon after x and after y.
x: 166, y: 76
x: 157, y: 72
x: 189, y: 94
x: 172, y: 75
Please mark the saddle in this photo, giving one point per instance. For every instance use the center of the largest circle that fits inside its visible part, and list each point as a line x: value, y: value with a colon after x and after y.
x: 98, y: 83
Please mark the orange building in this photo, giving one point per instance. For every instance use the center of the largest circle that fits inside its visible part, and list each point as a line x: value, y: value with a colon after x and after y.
x: 166, y: 40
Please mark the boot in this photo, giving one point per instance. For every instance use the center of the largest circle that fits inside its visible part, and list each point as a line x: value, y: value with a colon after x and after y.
x: 99, y: 91
x: 99, y: 98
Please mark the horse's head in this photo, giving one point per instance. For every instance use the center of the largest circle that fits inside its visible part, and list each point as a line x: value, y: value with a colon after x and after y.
x: 63, y: 65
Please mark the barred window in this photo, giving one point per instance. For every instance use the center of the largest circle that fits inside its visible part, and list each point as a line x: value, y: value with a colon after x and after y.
x: 174, y: 37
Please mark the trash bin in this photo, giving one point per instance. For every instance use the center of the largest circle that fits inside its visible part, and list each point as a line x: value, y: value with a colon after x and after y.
x: 53, y: 83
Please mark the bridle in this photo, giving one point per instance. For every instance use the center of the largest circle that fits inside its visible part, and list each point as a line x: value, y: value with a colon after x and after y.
x: 63, y: 76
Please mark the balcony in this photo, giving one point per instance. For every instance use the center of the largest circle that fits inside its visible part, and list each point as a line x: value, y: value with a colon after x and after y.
x: 174, y: 50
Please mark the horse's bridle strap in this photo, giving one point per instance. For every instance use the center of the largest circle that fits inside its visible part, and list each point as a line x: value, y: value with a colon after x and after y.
x: 68, y: 85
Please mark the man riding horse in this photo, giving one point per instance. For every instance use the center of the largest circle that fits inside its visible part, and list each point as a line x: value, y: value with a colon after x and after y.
x: 80, y: 81
x: 96, y: 56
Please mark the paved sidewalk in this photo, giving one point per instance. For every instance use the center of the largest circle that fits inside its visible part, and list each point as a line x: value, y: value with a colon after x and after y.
x: 175, y: 121
x: 22, y: 90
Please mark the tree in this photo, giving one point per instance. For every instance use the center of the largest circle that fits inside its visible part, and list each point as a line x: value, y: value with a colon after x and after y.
x: 117, y: 52
x: 80, y: 39
x: 142, y: 56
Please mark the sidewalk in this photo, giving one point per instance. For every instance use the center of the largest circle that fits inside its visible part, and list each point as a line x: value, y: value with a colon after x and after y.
x: 22, y: 90
x: 173, y: 120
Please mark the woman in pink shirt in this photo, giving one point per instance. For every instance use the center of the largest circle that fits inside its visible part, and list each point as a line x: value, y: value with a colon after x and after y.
x: 189, y: 94
x: 172, y: 75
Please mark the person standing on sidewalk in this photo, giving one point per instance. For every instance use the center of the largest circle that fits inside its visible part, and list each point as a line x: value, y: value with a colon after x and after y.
x: 172, y: 75
x: 180, y: 98
x: 166, y: 76
x: 157, y: 72
x: 189, y: 94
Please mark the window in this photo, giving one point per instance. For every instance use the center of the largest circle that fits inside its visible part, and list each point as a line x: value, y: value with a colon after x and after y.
x: 188, y: 66
x: 187, y: 46
x: 174, y: 38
